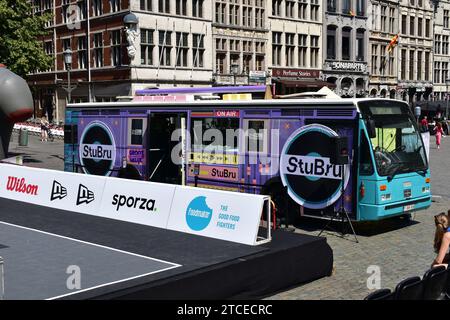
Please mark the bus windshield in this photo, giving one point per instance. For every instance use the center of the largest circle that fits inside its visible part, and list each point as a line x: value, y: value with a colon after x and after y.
x: 397, y: 144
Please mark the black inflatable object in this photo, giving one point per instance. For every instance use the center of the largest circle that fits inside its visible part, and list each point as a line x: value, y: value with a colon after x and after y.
x: 16, y: 104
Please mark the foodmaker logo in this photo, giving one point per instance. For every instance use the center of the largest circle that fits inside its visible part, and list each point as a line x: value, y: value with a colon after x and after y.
x: 20, y: 185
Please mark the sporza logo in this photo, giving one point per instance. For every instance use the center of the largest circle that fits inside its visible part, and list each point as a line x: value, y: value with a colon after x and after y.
x: 84, y: 195
x: 20, y: 185
x: 120, y: 200
x: 58, y: 191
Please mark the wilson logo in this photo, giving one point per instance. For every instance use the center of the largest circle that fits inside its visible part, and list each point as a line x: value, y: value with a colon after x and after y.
x: 19, y: 185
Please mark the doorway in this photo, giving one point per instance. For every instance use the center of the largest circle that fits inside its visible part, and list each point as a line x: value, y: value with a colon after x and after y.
x: 161, y: 166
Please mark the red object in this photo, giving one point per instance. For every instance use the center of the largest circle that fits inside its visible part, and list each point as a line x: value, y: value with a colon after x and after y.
x: 393, y: 43
x: 20, y: 115
x: 227, y: 113
x: 362, y: 190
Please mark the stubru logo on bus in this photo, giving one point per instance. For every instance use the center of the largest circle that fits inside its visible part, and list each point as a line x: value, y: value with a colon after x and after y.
x: 311, y: 179
x: 97, y: 149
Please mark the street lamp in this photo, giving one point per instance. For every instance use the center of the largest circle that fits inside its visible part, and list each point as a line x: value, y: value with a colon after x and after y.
x: 68, y: 62
x: 234, y: 71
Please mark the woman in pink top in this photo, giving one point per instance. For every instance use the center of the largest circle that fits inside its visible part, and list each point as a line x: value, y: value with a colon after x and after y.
x: 439, y: 133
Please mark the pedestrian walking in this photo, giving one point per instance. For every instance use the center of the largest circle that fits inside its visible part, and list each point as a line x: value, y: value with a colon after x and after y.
x: 44, y: 129
x: 439, y: 134
x: 424, y: 124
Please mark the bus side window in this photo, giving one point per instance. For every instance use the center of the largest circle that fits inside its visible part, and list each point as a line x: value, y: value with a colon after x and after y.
x: 136, y: 131
x: 365, y: 161
x: 215, y: 135
x: 257, y: 136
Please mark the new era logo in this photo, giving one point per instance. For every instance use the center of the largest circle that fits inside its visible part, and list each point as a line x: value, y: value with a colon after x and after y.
x: 84, y: 195
x: 58, y: 191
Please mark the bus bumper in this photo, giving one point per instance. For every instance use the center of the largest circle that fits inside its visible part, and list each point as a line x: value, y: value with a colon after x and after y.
x: 369, y: 212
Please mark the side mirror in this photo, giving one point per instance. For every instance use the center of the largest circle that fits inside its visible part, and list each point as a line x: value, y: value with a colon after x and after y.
x: 371, y: 128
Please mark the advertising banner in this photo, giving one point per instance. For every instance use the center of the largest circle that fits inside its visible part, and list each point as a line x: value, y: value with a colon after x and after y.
x: 214, y: 172
x: 140, y: 202
x: 51, y: 188
x: 97, y: 149
x: 212, y: 213
x: 312, y: 181
x: 217, y: 214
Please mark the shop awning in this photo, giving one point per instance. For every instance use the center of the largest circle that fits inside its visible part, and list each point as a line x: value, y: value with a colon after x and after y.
x: 291, y: 83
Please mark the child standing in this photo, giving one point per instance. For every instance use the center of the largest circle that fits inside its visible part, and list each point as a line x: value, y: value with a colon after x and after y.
x: 439, y: 133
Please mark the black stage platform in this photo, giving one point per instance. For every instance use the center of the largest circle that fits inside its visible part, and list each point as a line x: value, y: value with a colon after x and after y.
x: 119, y: 260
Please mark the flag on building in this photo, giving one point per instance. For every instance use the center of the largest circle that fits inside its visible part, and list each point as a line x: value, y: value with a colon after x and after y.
x: 393, y: 43
x: 389, y: 49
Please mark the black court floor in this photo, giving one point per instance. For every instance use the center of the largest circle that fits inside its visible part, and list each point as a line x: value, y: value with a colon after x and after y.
x: 41, y: 265
x: 46, y: 248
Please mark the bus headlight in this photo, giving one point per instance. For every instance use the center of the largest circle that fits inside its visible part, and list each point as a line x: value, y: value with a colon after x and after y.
x: 386, y: 197
x: 425, y: 189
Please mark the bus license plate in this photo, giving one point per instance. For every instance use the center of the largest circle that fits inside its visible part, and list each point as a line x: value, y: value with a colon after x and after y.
x: 409, y: 207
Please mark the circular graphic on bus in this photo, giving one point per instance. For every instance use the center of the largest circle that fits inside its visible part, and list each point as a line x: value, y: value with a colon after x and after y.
x: 312, y: 181
x: 97, y: 149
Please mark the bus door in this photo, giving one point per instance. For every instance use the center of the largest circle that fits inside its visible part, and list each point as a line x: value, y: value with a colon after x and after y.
x: 160, y: 165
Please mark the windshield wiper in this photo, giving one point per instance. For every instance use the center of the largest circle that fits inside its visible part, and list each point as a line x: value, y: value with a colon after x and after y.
x: 422, y: 171
x: 397, y: 166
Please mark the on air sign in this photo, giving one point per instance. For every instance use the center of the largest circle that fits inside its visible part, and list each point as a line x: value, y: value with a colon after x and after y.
x: 227, y: 113
x: 312, y: 181
x: 97, y: 149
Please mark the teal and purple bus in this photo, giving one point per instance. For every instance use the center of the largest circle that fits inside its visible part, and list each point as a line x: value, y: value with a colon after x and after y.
x: 313, y: 156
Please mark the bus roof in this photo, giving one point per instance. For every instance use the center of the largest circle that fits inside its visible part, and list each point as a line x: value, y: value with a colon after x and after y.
x: 229, y: 104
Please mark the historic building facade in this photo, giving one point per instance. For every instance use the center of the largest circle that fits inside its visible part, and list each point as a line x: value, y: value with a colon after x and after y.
x: 415, y: 50
x: 175, y: 43
x: 239, y: 42
x: 295, y: 50
x: 168, y: 44
x: 99, y: 69
x: 441, y: 61
x: 345, y: 42
x: 383, y: 26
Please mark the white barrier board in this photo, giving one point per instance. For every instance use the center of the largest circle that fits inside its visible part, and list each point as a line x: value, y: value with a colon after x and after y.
x: 212, y: 213
x: 57, y: 189
x: 137, y: 201
x: 217, y: 214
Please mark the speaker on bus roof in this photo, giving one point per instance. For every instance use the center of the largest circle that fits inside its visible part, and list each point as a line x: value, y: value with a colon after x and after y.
x: 339, y: 147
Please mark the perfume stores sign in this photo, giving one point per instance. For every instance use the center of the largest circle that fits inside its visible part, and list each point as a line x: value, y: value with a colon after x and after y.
x: 295, y: 73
